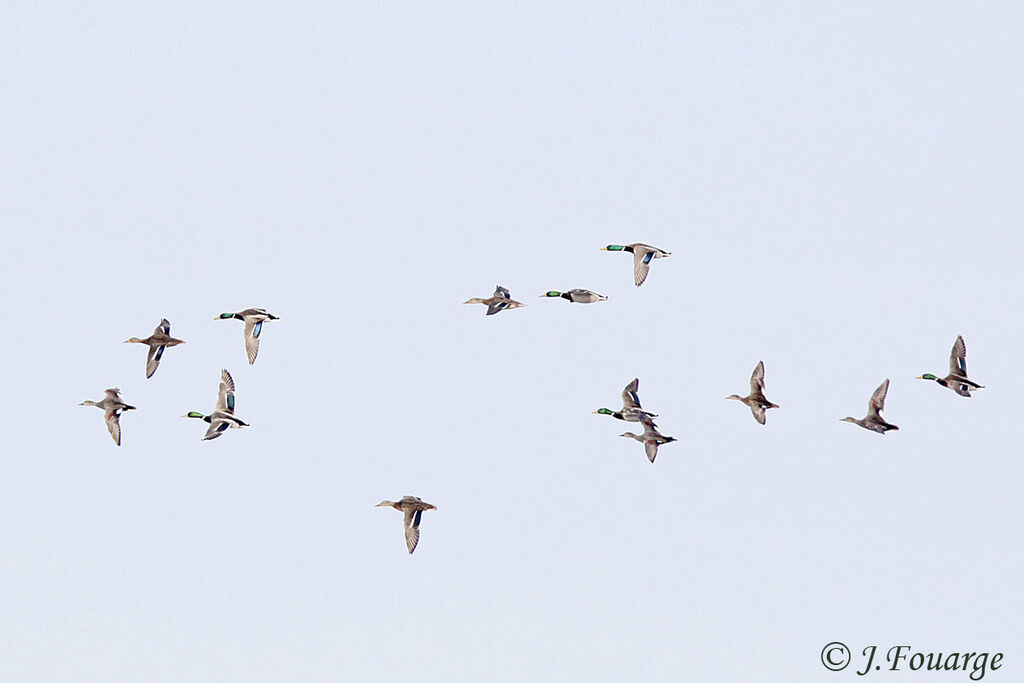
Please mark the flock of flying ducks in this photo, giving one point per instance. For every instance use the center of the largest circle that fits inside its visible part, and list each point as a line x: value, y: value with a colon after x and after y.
x: 223, y: 416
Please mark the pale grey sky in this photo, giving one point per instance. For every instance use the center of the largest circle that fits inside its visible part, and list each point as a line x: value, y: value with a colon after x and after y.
x: 839, y: 186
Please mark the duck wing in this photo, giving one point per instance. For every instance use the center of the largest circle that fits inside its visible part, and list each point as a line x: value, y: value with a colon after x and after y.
x: 217, y: 427
x: 630, y: 397
x: 226, y: 393
x: 641, y: 263
x: 958, y: 359
x: 757, y: 379
x: 253, y: 327
x: 412, y: 528
x: 153, y: 359
x: 113, y: 419
x: 877, y: 403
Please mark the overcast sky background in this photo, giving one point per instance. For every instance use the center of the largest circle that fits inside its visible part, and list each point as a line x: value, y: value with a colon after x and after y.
x: 839, y: 185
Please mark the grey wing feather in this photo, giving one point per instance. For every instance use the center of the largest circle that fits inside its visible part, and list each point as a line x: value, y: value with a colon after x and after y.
x: 758, y: 413
x: 164, y: 327
x: 497, y: 307
x: 501, y: 292
x: 252, y: 343
x: 226, y: 393
x: 651, y: 447
x: 877, y: 403
x: 112, y: 418
x: 217, y: 427
x: 958, y: 358
x: 757, y: 379
x: 412, y: 528
x: 153, y: 359
x: 640, y: 268
x: 630, y: 397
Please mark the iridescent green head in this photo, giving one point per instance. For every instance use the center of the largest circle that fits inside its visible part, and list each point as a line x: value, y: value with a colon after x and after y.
x: 193, y: 413
x: 552, y: 293
x: 614, y: 247
x: 604, y: 411
x: 225, y: 316
x: 927, y: 375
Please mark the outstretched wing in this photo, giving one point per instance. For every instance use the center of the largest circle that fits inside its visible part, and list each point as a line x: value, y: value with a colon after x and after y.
x: 163, y: 328
x: 501, y: 293
x: 758, y: 412
x: 958, y: 359
x: 651, y: 447
x: 226, y: 393
x: 757, y: 380
x: 412, y: 528
x: 153, y: 359
x: 630, y: 397
x: 877, y: 402
x: 641, y: 263
x: 252, y: 331
x: 113, y: 420
x: 497, y: 306
x: 217, y: 427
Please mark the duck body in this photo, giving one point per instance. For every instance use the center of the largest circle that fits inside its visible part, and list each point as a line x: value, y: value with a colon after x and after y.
x: 253, y: 319
x: 874, y: 420
x: 756, y: 400
x: 643, y: 254
x: 497, y: 302
x: 412, y: 509
x: 957, y: 379
x: 651, y: 439
x: 112, y: 406
x: 577, y: 296
x: 631, y: 411
x: 223, y: 416
x: 157, y: 342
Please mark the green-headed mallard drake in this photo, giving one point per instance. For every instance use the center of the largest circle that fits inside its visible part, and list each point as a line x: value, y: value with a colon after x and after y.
x: 643, y: 254
x: 873, y: 420
x: 651, y: 439
x: 223, y: 416
x: 412, y: 507
x: 631, y: 411
x: 157, y: 342
x: 577, y: 296
x: 756, y: 400
x: 498, y: 302
x: 957, y: 377
x: 253, y: 319
x: 112, y: 406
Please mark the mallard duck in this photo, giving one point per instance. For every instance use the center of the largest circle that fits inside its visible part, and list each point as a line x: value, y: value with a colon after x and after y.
x: 157, y: 342
x: 651, y: 439
x: 957, y: 377
x: 577, y: 296
x: 253, y: 319
x: 642, y: 256
x: 498, y: 302
x: 223, y: 416
x: 873, y: 420
x: 756, y: 400
x: 412, y: 507
x: 112, y: 407
x: 631, y: 411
